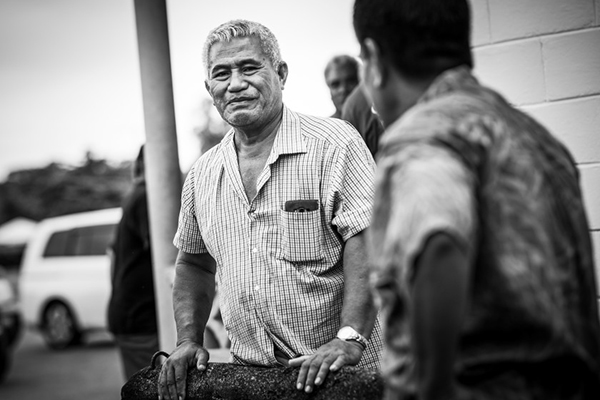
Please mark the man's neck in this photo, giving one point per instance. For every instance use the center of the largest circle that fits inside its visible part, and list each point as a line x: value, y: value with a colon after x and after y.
x: 249, y: 140
x: 404, y: 94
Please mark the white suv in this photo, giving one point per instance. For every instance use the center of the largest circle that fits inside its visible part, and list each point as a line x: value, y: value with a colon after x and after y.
x: 65, y: 276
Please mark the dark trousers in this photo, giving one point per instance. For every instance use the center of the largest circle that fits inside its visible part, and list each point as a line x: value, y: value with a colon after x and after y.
x: 136, y: 351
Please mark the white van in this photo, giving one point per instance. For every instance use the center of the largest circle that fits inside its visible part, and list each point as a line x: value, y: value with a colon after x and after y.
x: 64, y: 283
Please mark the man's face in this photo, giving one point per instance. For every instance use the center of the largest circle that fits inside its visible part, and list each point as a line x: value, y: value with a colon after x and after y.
x: 341, y: 80
x: 369, y: 75
x: 245, y: 87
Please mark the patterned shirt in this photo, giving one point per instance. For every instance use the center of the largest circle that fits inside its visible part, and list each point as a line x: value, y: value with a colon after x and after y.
x: 280, y: 274
x: 464, y: 162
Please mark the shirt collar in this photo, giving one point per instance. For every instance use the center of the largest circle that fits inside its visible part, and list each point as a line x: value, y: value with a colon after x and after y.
x: 288, y: 139
x: 289, y: 136
x: 449, y: 81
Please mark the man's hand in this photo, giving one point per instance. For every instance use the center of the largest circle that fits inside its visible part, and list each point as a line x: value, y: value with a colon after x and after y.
x: 329, y: 357
x: 173, y: 374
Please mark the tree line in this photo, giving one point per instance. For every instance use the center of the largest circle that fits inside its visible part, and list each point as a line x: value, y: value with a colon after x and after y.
x: 59, y: 189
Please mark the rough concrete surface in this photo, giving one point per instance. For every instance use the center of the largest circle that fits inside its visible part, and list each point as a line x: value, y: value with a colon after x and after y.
x: 237, y: 382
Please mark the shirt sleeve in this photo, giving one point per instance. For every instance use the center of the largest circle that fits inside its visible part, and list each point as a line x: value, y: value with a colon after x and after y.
x: 352, y: 192
x: 422, y: 190
x: 188, y: 237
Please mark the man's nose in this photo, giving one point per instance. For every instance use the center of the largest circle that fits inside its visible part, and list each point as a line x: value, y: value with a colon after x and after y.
x: 347, y: 87
x: 237, y: 81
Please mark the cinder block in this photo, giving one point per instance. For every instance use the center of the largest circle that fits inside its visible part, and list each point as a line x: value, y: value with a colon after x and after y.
x: 513, y: 19
x: 480, y: 27
x: 590, y: 184
x: 572, y: 64
x: 514, y: 69
x: 575, y: 123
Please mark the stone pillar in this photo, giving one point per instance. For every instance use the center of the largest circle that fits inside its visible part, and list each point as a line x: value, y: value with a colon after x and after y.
x: 163, y: 175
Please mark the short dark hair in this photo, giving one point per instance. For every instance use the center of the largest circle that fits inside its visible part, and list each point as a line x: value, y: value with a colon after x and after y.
x: 343, y: 61
x: 421, y: 38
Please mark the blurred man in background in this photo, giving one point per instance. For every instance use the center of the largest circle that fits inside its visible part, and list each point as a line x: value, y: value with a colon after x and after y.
x: 358, y: 110
x: 132, y: 310
x: 341, y: 77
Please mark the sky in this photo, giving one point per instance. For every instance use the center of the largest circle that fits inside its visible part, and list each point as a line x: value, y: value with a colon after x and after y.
x: 70, y: 80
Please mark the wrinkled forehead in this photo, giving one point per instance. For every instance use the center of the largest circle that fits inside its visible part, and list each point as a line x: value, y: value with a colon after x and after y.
x: 235, y: 50
x: 247, y: 47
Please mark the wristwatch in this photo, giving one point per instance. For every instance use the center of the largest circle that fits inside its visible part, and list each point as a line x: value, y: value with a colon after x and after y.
x: 348, y: 333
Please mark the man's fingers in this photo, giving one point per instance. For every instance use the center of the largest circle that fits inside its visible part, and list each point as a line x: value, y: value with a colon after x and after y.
x: 180, y: 380
x: 171, y: 386
x: 202, y: 359
x: 162, y: 384
x: 337, y: 364
x: 308, y: 373
x: 301, y: 376
x: 295, y: 362
x: 322, y: 372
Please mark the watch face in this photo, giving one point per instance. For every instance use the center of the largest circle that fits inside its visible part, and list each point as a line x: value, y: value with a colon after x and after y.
x: 346, y: 333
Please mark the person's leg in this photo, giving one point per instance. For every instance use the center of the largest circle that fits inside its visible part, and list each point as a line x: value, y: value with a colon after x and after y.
x: 136, y: 351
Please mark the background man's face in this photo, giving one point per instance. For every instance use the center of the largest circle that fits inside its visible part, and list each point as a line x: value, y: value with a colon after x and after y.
x: 245, y: 87
x: 341, y: 80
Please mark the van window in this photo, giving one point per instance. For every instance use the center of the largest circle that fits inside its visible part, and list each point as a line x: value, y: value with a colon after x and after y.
x: 86, y: 241
x: 57, y: 244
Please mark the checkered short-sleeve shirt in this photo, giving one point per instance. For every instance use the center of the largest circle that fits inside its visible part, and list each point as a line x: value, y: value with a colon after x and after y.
x: 280, y: 273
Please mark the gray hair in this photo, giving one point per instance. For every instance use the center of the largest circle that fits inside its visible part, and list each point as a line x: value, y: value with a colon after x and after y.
x: 240, y: 28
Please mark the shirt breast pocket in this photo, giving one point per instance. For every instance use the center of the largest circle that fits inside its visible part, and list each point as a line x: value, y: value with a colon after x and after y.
x: 301, y: 240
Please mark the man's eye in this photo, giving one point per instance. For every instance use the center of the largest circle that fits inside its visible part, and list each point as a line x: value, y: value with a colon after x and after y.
x: 219, y: 75
x: 249, y: 70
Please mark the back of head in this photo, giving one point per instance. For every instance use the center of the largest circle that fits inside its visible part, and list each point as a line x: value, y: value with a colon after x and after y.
x: 240, y: 28
x: 420, y: 38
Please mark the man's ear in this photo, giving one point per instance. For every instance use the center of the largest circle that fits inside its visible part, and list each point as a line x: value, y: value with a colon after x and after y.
x: 376, y: 64
x: 282, y: 71
x: 207, y: 87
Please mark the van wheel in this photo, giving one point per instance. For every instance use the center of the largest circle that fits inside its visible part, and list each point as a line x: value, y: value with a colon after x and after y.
x: 59, y: 328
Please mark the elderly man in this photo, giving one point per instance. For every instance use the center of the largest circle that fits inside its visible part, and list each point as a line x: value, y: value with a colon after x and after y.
x: 341, y: 77
x: 275, y: 215
x: 483, y: 261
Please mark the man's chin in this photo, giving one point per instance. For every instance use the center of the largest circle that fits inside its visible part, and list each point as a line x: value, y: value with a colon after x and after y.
x: 241, y: 119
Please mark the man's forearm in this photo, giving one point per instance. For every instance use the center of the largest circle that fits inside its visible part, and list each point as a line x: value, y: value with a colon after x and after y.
x: 193, y: 294
x: 358, y: 310
x: 440, y: 295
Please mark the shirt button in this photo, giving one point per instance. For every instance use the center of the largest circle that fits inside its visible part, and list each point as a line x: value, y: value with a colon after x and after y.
x: 255, y: 250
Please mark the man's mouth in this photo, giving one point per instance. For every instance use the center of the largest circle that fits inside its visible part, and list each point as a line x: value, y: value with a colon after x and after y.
x: 238, y: 100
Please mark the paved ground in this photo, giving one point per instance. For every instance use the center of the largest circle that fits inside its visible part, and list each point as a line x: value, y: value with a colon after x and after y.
x: 89, y: 372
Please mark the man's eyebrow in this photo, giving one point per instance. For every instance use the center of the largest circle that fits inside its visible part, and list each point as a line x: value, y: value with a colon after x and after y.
x: 238, y: 63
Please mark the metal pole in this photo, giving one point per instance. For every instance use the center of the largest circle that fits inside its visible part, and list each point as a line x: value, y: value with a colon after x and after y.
x: 162, y: 161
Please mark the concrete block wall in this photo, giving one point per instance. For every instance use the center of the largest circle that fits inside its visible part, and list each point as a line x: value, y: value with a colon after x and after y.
x: 544, y: 57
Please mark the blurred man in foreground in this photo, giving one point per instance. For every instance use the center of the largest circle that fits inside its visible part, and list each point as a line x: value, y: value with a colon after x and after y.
x: 483, y: 260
